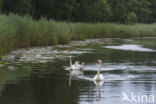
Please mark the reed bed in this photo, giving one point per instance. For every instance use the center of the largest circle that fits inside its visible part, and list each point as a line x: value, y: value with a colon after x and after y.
x: 22, y: 32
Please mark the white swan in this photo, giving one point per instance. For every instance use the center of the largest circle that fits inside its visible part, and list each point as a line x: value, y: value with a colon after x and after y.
x: 76, y: 68
x: 98, y: 76
x: 73, y: 66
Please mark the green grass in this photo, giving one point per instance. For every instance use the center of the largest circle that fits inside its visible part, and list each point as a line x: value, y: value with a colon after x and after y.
x: 20, y: 32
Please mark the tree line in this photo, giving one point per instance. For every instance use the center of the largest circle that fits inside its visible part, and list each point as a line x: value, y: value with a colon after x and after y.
x: 115, y: 11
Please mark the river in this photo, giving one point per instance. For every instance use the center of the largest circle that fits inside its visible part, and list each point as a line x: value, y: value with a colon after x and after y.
x: 129, y: 70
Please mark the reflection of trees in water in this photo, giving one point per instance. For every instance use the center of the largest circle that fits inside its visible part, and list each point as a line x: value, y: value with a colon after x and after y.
x: 40, y: 91
x: 12, y: 76
x: 148, y: 42
x: 42, y: 84
x: 110, y: 55
x: 48, y: 82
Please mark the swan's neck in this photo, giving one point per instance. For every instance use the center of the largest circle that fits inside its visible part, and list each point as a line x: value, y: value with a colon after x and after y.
x: 98, y: 73
x: 70, y: 63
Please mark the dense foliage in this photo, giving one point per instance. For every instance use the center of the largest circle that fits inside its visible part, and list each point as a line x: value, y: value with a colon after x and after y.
x: 118, y: 11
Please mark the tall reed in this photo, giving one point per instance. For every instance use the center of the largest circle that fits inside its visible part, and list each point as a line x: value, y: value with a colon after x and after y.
x: 22, y: 31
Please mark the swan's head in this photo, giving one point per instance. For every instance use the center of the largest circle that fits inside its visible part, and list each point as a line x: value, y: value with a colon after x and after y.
x: 98, y: 61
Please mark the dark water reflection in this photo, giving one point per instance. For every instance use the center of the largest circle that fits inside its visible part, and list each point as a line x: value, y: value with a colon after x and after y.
x: 49, y: 83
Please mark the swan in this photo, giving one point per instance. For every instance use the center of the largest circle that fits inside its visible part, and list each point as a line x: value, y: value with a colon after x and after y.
x: 76, y: 68
x: 79, y: 66
x: 71, y: 66
x: 98, y: 76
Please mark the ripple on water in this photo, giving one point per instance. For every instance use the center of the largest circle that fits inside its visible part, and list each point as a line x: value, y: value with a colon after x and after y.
x: 110, y: 74
x: 120, y: 66
x: 110, y: 77
x: 131, y: 47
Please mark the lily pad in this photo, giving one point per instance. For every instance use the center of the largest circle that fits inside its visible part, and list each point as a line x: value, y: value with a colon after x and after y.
x: 1, y: 62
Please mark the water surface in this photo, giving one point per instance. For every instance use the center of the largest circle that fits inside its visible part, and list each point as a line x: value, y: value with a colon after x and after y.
x: 129, y: 66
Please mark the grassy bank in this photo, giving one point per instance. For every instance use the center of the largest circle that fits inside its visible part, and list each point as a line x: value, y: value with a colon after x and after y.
x: 18, y: 32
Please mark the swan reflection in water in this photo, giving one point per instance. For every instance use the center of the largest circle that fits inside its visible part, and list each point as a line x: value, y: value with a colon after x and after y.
x: 75, y: 69
x: 75, y: 75
x: 70, y: 78
x: 98, y: 84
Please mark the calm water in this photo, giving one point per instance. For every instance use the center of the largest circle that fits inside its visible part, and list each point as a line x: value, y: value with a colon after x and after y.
x: 128, y: 68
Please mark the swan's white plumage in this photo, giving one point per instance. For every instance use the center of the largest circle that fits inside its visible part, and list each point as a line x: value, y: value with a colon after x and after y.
x: 77, y: 72
x: 101, y: 77
x: 76, y: 68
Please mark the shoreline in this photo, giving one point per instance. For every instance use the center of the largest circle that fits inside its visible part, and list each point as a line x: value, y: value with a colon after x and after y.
x: 48, y: 53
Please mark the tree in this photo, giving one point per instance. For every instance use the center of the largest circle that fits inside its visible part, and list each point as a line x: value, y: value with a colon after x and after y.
x: 53, y: 9
x: 142, y: 10
x: 100, y: 11
x: 153, y: 11
x: 17, y: 6
x: 119, y: 10
x: 1, y: 3
x: 131, y: 18
x: 91, y: 11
